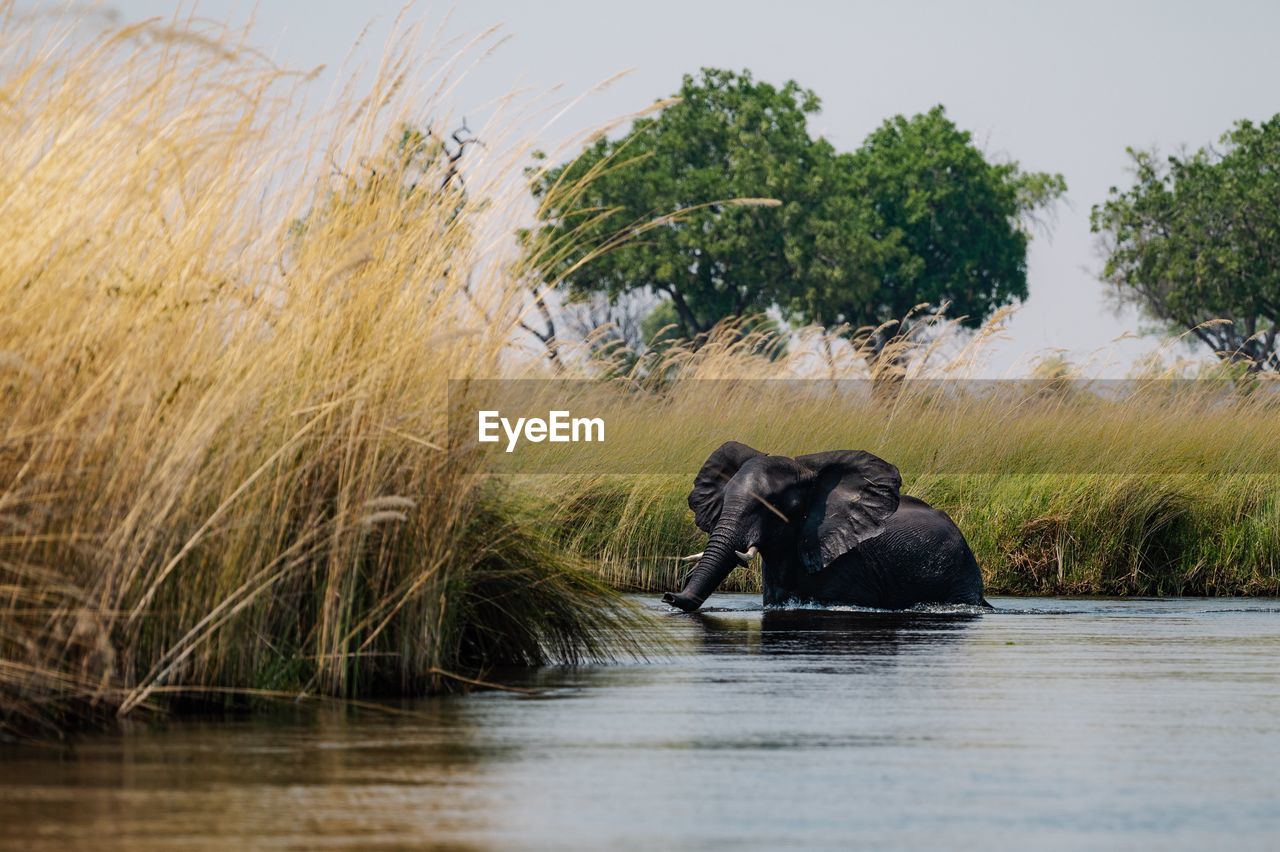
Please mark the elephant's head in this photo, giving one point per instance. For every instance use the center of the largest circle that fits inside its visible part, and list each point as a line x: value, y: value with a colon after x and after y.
x: 816, y: 508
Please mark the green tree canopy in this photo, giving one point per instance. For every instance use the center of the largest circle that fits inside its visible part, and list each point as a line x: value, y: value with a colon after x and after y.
x: 950, y: 226
x: 916, y: 216
x: 1197, y: 238
x: 727, y: 137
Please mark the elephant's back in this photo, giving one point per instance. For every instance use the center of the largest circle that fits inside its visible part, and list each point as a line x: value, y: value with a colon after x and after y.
x: 923, y: 541
x: 916, y: 518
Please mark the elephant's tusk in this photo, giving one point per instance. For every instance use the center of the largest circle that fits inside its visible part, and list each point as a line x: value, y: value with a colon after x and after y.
x: 749, y: 555
x: 692, y: 557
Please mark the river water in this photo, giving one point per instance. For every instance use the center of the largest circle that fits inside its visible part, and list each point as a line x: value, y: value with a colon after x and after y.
x: 1050, y: 723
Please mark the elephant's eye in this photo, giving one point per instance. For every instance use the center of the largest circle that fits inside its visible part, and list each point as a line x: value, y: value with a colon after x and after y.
x: 792, y: 503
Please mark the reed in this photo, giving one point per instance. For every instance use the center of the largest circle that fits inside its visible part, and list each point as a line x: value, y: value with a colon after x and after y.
x: 224, y: 335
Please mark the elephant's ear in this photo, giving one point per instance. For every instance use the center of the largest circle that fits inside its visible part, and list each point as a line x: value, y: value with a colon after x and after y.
x: 853, y: 494
x: 707, y: 495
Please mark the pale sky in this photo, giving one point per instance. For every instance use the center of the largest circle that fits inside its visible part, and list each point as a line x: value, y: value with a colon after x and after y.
x: 1059, y: 87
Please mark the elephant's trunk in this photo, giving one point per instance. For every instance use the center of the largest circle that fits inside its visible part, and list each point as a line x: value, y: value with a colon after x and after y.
x: 717, y: 561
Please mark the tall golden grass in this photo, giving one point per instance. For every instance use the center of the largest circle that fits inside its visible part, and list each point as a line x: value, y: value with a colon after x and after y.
x: 225, y: 330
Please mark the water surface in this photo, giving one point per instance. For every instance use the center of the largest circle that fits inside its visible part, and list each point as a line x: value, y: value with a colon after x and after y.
x: 1054, y: 723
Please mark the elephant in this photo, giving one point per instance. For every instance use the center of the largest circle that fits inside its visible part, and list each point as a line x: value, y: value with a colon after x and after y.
x: 830, y: 528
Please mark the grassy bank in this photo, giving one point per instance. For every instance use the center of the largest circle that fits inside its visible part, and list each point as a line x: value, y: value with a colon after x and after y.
x: 1158, y: 485
x: 224, y: 334
x: 1101, y: 534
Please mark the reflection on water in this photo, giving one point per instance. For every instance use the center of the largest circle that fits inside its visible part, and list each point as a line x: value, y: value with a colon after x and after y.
x: 1067, y: 724
x: 850, y: 636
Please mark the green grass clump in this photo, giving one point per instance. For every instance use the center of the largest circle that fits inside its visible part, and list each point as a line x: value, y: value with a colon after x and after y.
x: 1107, y: 534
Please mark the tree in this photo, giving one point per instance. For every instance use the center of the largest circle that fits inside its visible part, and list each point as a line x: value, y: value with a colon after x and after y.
x: 916, y: 216
x: 1197, y: 239
x: 728, y: 137
x: 950, y: 228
